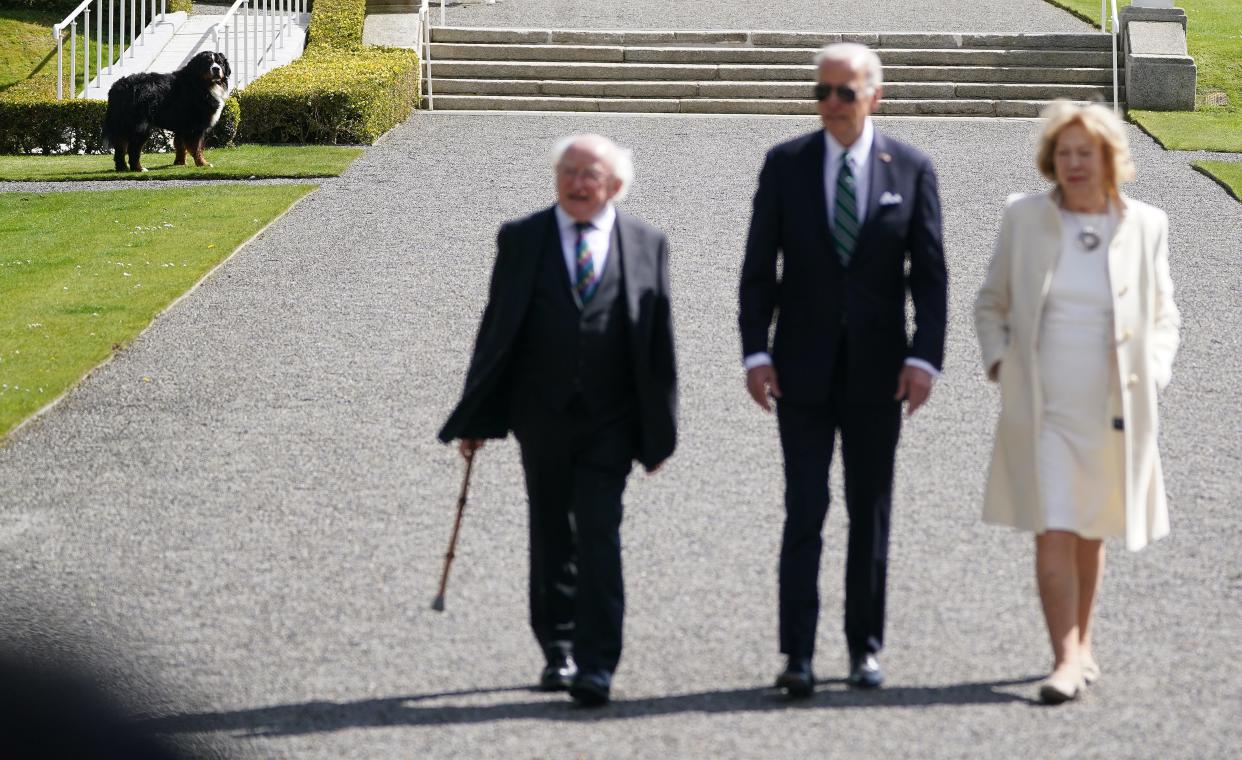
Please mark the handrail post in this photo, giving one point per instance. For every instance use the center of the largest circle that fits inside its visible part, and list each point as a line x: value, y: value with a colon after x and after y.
x: 86, y: 50
x: 72, y: 58
x: 99, y: 38
x: 111, y: 23
x: 60, y: 63
x: 1116, y: 69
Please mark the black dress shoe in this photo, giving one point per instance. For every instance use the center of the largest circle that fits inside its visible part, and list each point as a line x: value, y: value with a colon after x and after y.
x: 797, y: 679
x: 590, y: 689
x: 865, y: 672
x: 558, y: 674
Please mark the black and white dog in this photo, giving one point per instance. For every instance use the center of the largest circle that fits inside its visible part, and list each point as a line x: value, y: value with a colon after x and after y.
x: 186, y: 102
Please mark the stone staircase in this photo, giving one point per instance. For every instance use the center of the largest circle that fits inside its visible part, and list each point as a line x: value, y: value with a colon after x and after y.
x: 722, y: 72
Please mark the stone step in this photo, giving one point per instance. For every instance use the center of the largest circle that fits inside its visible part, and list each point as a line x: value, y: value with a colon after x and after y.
x: 763, y: 90
x: 1088, y: 41
x: 619, y: 54
x: 895, y: 107
x: 632, y: 72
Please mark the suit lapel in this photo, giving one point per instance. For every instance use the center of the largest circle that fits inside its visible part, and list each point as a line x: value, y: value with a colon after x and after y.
x: 813, y: 182
x: 882, y: 181
x: 631, y: 266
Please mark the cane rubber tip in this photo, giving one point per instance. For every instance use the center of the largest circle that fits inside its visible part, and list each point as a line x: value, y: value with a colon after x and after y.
x: 437, y: 604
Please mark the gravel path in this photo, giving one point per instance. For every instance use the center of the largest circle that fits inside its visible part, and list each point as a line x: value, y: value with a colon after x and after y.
x: 261, y: 525
x: 804, y: 15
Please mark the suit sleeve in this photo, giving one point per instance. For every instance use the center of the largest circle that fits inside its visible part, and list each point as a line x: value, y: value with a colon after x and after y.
x: 759, y: 288
x: 1167, y: 320
x: 928, y: 280
x: 478, y: 414
x: 660, y: 429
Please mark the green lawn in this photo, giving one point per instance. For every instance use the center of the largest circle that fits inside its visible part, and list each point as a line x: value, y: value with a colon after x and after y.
x: 1200, y: 130
x: 1214, y: 32
x: 26, y: 43
x: 1227, y: 173
x: 82, y: 273
x: 242, y: 162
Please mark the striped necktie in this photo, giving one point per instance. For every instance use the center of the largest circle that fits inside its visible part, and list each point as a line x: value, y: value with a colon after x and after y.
x: 585, y: 280
x: 845, y: 213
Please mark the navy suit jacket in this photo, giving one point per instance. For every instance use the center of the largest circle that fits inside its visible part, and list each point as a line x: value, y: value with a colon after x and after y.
x: 818, y: 303
x: 485, y: 405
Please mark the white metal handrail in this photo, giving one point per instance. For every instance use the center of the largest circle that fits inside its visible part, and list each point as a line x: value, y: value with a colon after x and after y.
x: 251, y: 31
x: 1116, y: 26
x: 424, y: 31
x: 116, y: 22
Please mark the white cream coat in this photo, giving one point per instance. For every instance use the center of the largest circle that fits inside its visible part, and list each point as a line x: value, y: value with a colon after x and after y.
x: 1145, y: 330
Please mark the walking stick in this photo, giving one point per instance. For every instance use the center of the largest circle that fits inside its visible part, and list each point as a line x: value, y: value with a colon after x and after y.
x: 437, y: 604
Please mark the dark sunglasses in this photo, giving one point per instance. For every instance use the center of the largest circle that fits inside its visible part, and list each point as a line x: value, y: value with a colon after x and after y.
x: 845, y: 93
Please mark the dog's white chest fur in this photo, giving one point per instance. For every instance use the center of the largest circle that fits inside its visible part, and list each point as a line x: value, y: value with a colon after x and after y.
x: 219, y: 94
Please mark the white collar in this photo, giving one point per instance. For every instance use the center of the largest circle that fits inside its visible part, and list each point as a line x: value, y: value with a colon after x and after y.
x: 602, y: 221
x: 860, y: 151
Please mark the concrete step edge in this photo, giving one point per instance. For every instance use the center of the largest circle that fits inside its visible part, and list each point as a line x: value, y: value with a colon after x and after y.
x: 1090, y: 40
x: 1017, y: 108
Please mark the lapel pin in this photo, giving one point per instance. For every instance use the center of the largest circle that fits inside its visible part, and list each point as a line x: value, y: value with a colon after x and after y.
x: 886, y: 157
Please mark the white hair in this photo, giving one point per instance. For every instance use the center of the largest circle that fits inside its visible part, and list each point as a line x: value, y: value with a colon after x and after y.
x: 619, y: 160
x: 859, y: 57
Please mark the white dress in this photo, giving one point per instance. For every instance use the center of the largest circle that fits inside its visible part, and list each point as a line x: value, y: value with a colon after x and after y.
x: 1080, y: 454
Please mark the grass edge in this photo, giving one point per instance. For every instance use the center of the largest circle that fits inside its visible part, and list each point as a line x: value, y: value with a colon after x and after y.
x: 1199, y: 167
x: 7, y: 438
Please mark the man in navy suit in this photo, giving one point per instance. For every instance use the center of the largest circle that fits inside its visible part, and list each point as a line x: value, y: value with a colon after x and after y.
x: 855, y: 218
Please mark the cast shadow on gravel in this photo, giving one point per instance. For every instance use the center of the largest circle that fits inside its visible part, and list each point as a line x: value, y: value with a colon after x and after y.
x: 431, y: 710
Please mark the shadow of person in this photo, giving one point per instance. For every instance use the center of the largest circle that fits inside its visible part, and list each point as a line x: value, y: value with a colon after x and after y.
x: 430, y: 709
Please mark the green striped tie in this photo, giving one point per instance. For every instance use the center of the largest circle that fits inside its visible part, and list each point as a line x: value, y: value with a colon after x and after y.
x: 845, y: 213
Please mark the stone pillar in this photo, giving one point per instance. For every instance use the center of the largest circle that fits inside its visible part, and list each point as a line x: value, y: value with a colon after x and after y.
x: 1160, y: 74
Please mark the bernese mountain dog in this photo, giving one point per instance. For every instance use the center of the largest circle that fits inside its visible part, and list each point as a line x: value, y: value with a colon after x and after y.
x: 186, y: 102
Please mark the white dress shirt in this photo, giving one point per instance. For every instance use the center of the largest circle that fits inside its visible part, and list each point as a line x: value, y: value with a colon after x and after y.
x: 598, y: 239
x: 860, y: 161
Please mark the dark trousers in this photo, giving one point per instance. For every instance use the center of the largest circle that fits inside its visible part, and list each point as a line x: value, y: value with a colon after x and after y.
x: 869, y: 435
x: 576, y: 466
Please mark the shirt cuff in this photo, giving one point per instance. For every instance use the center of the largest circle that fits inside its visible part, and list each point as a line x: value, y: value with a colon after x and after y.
x: 760, y: 359
x: 923, y: 365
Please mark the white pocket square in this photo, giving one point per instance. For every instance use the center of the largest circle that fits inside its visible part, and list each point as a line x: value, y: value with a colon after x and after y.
x: 890, y: 199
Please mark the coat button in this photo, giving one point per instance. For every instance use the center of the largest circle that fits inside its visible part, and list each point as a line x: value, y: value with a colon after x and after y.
x: 1132, y: 380
x: 1124, y: 289
x: 1125, y: 335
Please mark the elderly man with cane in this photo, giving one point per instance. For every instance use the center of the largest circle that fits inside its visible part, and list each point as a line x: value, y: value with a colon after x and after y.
x: 575, y: 356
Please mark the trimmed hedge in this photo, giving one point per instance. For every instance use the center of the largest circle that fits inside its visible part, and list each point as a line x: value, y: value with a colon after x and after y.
x: 332, y: 96
x: 339, y: 91
x: 32, y: 120
x: 336, y: 24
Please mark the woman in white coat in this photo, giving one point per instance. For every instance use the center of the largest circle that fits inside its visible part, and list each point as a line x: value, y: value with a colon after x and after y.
x: 1076, y: 321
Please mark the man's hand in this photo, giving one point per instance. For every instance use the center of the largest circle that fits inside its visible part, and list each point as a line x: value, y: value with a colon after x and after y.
x: 467, y: 446
x: 914, y: 385
x: 761, y: 383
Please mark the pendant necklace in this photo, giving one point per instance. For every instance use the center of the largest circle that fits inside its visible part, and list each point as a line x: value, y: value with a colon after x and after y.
x: 1087, y: 236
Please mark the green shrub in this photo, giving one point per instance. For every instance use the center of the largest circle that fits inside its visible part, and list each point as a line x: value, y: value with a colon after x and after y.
x: 332, y: 96
x: 32, y: 120
x: 336, y: 24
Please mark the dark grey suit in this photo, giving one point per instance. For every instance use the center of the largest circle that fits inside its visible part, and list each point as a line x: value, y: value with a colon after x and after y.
x: 586, y: 390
